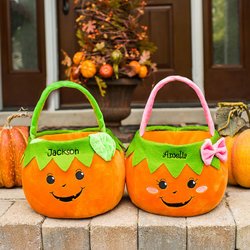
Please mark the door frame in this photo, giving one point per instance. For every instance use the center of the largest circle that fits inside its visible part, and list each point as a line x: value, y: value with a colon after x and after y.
x: 51, y: 44
x: 52, y: 54
x: 197, y: 43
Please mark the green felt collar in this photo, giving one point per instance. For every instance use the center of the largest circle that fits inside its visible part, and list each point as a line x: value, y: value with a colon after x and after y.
x: 174, y: 157
x: 64, y: 152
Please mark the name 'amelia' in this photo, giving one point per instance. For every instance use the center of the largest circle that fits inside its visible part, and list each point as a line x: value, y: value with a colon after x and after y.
x: 179, y: 155
x: 53, y: 152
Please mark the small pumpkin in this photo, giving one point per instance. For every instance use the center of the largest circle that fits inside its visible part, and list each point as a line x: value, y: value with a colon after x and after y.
x: 72, y: 174
x: 88, y: 69
x: 78, y: 57
x: 13, y: 141
x: 235, y: 129
x: 143, y: 71
x: 136, y: 65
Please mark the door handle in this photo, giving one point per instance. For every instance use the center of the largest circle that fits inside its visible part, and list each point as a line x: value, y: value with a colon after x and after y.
x: 65, y: 8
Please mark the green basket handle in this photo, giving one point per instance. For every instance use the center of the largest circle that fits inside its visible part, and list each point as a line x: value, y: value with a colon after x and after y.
x: 58, y: 85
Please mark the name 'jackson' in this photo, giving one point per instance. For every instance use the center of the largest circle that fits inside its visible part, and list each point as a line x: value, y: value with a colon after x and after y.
x: 53, y: 152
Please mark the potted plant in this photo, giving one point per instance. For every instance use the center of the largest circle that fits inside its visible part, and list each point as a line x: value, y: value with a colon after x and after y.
x: 114, y: 53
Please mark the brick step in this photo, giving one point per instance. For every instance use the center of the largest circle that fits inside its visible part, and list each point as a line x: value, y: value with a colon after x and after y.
x: 126, y: 227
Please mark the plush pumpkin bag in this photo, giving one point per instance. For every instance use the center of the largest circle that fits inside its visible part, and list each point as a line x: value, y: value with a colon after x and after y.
x: 176, y: 171
x: 70, y: 173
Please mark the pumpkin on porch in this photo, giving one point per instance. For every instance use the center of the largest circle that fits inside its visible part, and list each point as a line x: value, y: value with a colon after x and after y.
x: 236, y: 130
x: 13, y: 141
x: 176, y: 171
x: 72, y: 174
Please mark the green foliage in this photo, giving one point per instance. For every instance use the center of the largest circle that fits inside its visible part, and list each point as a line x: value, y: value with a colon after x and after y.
x: 101, y: 84
x: 115, y: 4
x: 80, y: 36
x: 146, y: 45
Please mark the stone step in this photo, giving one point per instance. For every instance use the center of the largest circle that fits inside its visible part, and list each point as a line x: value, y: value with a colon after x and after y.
x: 116, y: 229
x: 239, y: 204
x: 20, y: 228
x: 66, y: 234
x: 126, y: 227
x: 214, y: 230
x: 161, y: 232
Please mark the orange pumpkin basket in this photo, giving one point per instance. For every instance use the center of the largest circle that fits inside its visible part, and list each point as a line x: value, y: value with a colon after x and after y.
x: 176, y: 171
x: 70, y: 173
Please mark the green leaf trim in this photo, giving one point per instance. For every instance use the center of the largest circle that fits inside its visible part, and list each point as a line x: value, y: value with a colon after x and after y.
x: 62, y: 152
x: 103, y: 145
x: 174, y: 157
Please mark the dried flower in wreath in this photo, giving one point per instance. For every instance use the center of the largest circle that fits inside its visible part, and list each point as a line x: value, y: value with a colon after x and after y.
x: 113, y: 43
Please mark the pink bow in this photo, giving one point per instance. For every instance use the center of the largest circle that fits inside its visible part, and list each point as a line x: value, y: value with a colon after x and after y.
x: 208, y: 151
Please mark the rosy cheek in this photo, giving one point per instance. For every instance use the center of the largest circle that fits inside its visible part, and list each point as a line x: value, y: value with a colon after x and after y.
x: 152, y: 190
x: 201, y: 189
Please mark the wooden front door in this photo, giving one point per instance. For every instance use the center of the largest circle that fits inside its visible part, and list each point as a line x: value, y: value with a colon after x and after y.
x: 22, y: 52
x: 169, y: 25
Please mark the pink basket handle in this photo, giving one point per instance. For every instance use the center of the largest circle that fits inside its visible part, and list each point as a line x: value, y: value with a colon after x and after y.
x: 148, y: 108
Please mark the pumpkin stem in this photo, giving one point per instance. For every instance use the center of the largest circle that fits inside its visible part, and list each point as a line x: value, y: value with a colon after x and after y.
x: 228, y: 120
x: 17, y: 115
x: 229, y: 117
x: 236, y: 106
x: 247, y: 111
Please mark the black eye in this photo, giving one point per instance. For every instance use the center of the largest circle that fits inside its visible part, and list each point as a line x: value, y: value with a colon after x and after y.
x: 79, y: 175
x: 50, y: 179
x: 162, y: 184
x: 191, y: 183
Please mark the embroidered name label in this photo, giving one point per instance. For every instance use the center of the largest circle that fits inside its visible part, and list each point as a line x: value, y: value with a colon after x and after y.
x: 178, y: 155
x: 53, y: 152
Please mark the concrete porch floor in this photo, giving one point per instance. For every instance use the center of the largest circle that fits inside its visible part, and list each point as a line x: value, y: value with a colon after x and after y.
x: 126, y: 227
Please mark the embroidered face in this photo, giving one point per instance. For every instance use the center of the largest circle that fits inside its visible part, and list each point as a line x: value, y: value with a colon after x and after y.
x: 191, y: 192
x: 77, y: 191
x: 188, y: 194
x: 64, y: 184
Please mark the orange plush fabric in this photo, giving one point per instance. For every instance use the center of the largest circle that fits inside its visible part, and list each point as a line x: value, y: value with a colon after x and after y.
x: 144, y: 191
x: 71, y: 196
x: 159, y: 191
x: 172, y: 137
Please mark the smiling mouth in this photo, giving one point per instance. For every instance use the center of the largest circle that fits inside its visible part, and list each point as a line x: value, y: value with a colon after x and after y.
x: 68, y: 198
x: 180, y: 204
